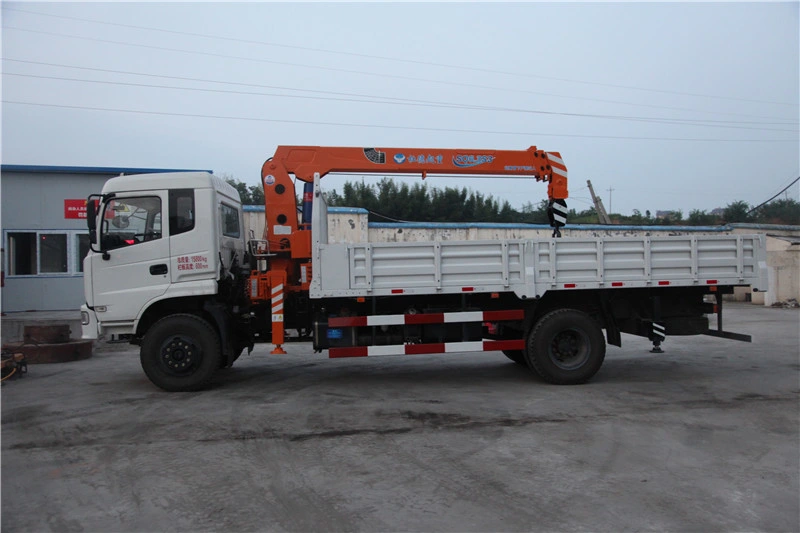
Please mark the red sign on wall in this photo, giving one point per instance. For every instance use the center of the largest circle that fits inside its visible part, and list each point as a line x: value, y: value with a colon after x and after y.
x: 75, y: 208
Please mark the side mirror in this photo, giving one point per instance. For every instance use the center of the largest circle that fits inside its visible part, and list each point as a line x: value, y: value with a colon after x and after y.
x: 92, y: 203
x: 91, y: 215
x: 91, y: 218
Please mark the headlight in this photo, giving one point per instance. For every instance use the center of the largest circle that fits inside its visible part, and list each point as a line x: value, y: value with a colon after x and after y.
x: 85, y: 318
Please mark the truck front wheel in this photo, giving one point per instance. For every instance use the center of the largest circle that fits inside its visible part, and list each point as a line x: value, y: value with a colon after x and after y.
x: 566, y: 347
x: 180, y: 353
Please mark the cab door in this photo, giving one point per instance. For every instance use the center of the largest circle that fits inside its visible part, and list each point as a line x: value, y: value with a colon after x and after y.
x: 133, y: 267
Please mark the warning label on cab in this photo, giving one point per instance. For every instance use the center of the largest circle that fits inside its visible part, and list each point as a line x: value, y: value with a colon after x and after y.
x: 192, y: 262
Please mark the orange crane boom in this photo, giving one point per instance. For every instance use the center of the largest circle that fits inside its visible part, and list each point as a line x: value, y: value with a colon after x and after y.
x: 304, y: 161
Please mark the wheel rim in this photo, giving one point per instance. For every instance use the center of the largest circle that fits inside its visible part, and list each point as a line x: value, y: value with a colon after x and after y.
x: 180, y: 355
x: 569, y: 349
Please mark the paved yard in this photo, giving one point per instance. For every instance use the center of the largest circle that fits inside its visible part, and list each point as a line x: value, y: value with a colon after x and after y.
x: 704, y: 437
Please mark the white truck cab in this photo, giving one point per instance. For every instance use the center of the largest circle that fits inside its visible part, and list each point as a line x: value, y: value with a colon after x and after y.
x: 157, y: 238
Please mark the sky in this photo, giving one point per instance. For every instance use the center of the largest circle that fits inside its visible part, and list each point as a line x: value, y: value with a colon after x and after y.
x: 663, y: 106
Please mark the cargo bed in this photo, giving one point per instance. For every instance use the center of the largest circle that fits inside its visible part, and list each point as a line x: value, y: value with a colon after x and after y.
x: 530, y: 267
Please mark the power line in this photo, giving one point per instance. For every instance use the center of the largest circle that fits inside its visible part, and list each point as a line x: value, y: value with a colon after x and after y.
x: 375, y: 74
x: 784, y: 189
x: 768, y: 201
x: 370, y: 211
x: 361, y: 95
x: 417, y: 103
x: 581, y: 199
x: 400, y: 60
x: 388, y: 126
x: 206, y: 80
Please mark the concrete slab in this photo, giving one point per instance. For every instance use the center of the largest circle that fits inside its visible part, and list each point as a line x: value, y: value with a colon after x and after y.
x: 12, y: 325
x: 704, y: 437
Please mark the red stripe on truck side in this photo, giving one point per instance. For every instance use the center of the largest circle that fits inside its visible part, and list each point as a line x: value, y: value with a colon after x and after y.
x: 436, y: 347
x: 429, y: 318
x: 355, y: 351
x: 347, y: 322
x: 491, y: 346
x: 413, y: 349
x: 497, y: 316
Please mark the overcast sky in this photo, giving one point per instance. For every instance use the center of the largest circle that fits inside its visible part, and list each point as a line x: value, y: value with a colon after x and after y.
x: 673, y: 106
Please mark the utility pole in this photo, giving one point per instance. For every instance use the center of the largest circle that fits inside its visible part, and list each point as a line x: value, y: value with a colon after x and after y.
x: 610, y: 190
x: 598, y: 205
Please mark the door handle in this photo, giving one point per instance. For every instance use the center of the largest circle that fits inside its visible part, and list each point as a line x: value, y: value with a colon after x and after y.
x: 158, y: 269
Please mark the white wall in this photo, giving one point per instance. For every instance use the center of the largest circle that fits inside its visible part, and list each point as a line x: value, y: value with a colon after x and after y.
x: 783, y: 261
x: 35, y: 202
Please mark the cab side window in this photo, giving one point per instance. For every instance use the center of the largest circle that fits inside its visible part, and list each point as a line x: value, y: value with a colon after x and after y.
x: 230, y: 220
x: 181, y: 211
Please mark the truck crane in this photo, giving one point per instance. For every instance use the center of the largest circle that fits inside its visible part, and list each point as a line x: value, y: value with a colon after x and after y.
x: 170, y: 269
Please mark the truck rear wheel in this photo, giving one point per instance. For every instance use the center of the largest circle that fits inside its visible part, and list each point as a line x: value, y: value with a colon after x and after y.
x: 518, y: 356
x: 180, y: 353
x: 566, y: 347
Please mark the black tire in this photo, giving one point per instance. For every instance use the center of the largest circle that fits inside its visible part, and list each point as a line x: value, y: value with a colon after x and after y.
x: 566, y: 347
x: 518, y: 356
x: 181, y: 353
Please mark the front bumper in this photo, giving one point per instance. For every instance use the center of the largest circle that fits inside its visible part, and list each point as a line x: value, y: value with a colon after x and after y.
x: 90, y: 328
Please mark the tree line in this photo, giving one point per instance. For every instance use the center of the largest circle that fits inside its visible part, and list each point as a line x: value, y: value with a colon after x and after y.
x: 388, y: 200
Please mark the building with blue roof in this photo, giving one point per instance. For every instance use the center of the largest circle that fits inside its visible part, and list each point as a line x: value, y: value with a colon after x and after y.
x: 44, y: 234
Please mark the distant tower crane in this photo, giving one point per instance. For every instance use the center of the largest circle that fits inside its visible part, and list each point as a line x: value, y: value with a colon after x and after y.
x: 598, y: 205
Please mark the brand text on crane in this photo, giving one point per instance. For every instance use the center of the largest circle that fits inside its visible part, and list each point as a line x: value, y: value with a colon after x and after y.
x: 465, y: 161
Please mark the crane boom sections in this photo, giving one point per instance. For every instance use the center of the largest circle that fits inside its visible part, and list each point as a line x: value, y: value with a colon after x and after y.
x: 305, y: 161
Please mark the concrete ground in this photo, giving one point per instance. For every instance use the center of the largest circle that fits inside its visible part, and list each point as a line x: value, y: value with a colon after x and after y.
x: 702, y: 438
